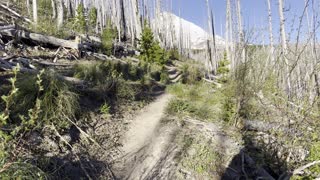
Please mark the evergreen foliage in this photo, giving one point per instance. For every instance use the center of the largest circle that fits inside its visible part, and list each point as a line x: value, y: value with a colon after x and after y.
x: 150, y: 49
x: 223, y: 65
x: 109, y: 34
x: 173, y: 54
x: 80, y: 20
x: 93, y: 16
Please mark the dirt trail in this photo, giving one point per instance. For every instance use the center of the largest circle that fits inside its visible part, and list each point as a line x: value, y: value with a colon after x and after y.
x: 144, y: 143
x: 144, y: 125
x: 152, y: 149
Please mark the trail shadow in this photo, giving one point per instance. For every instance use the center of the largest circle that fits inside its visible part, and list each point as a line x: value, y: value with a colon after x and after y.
x: 70, y: 167
x: 257, y: 160
x: 92, y: 99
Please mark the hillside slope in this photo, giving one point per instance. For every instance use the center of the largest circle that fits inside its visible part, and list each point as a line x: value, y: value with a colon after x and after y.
x: 198, y: 36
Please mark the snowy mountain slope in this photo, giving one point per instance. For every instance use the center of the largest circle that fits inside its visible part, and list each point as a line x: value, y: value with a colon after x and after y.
x: 167, y: 22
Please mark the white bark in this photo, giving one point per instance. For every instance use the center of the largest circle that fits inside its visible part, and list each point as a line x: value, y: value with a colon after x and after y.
x: 270, y: 32
x: 282, y: 28
x: 284, y: 48
x: 60, y: 13
x: 54, y: 9
x: 210, y: 42
x: 35, y: 11
x: 28, y: 7
x: 240, y: 32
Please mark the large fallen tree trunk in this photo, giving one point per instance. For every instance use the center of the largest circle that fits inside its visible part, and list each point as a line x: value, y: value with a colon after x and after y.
x: 40, y: 38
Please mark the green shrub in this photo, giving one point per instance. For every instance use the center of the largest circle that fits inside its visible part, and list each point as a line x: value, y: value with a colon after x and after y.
x: 151, y: 51
x: 80, y: 20
x: 173, y: 54
x: 178, y: 106
x: 205, y: 161
x: 128, y: 91
x: 97, y: 73
x: 223, y: 65
x: 159, y: 55
x: 191, y: 74
x: 93, y: 16
x: 203, y: 101
x: 229, y: 110
x: 58, y: 102
x: 146, y: 44
x: 105, y: 110
x: 202, y: 106
x: 164, y: 77
x: 106, y: 73
x: 109, y: 34
x: 315, y: 156
x: 19, y: 166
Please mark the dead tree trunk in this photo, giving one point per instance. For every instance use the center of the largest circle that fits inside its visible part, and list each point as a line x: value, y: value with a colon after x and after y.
x: 35, y: 11
x: 54, y: 9
x: 40, y: 38
x: 60, y: 13
x: 28, y: 7
x: 270, y: 32
x: 229, y: 35
x: 284, y: 48
x: 240, y: 33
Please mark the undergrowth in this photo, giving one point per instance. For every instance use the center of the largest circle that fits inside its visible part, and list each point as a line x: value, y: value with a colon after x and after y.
x: 58, y: 101
x: 203, y: 101
x: 14, y: 163
x: 200, y: 157
x: 191, y: 72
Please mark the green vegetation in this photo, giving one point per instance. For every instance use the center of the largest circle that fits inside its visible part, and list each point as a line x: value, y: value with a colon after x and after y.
x: 222, y: 68
x: 315, y: 156
x: 151, y: 51
x: 105, y: 110
x: 200, y: 157
x: 93, y: 17
x: 109, y: 34
x: 174, y: 54
x: 121, y: 80
x: 191, y: 73
x: 56, y: 101
x: 13, y: 163
x: 80, y: 20
x: 97, y: 73
x: 202, y: 101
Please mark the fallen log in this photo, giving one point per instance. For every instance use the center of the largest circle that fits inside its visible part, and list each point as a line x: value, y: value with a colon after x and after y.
x: 300, y: 170
x: 104, y: 57
x: 7, y: 27
x: 14, y: 13
x: 40, y: 38
x: 4, y: 65
x: 213, y: 82
x: 46, y: 63
x: 8, y: 67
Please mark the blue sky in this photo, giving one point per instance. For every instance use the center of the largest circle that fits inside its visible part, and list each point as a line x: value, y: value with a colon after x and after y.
x: 254, y: 12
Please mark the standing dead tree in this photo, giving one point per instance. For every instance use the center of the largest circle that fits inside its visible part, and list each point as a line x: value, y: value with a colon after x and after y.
x: 35, y: 11
x: 270, y: 32
x: 284, y: 48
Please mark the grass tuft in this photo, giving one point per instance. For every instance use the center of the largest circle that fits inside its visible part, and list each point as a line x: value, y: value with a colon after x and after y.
x: 58, y: 101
